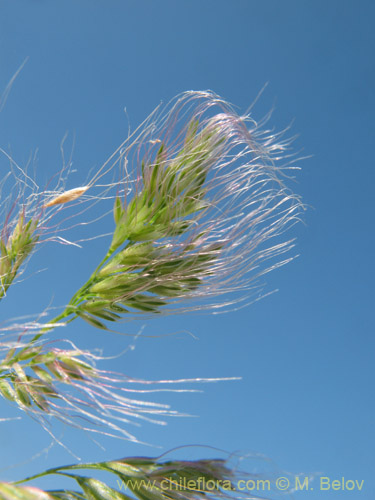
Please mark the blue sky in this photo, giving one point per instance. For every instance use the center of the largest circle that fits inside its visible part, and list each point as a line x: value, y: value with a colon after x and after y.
x: 305, y: 353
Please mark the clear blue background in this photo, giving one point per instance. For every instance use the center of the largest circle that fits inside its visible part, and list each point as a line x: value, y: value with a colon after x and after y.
x: 306, y: 354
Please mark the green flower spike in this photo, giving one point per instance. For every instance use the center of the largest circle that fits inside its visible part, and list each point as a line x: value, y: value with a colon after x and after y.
x: 208, y: 204
x: 137, y: 479
x: 15, y: 249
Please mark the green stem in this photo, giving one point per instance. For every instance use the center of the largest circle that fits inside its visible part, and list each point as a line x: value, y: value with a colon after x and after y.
x: 61, y: 316
x: 43, y: 474
x: 74, y: 300
x: 69, y: 310
x: 76, y: 297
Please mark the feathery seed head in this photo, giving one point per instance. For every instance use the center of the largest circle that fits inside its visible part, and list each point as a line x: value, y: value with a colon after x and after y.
x: 65, y: 384
x: 15, y: 248
x: 209, y: 204
x: 143, y: 478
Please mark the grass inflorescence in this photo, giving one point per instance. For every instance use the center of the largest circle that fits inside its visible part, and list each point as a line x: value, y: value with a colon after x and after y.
x: 199, y: 215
